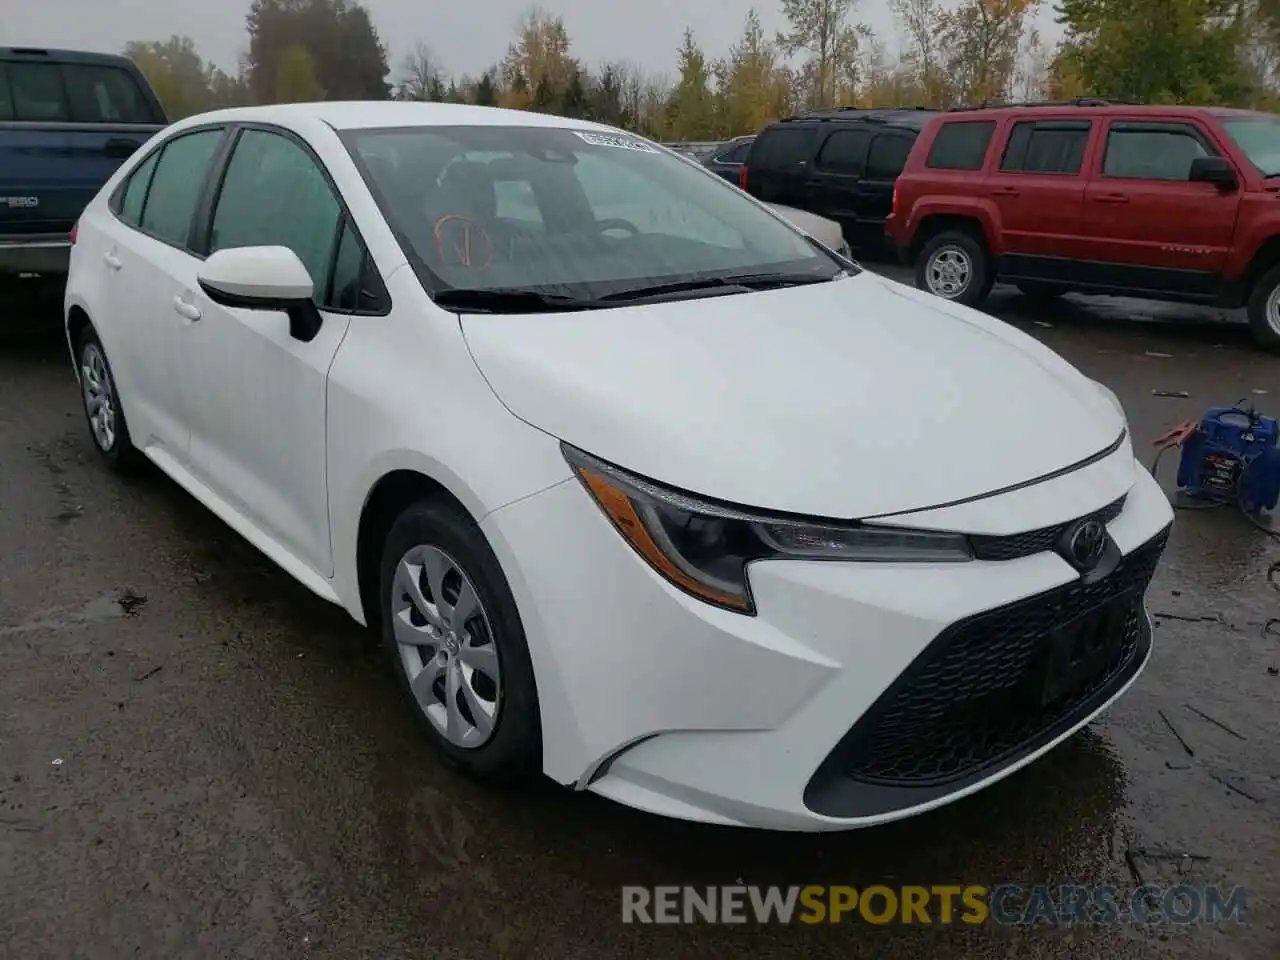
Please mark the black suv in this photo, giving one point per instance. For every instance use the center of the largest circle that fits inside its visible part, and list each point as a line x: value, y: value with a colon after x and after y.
x: 840, y: 164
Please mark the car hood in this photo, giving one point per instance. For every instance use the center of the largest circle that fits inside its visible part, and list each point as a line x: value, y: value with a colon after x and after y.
x: 850, y: 399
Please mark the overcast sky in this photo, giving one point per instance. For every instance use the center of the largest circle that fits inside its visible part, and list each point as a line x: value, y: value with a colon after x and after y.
x: 466, y: 37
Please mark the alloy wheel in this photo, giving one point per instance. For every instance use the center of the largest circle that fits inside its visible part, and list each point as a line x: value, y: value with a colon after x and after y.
x: 1272, y: 310
x: 949, y: 273
x: 446, y: 645
x: 99, y: 400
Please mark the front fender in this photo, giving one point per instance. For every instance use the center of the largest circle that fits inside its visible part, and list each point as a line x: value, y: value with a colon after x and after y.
x: 981, y: 210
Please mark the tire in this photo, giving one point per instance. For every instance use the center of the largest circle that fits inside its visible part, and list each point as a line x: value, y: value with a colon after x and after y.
x: 1042, y: 292
x: 435, y: 542
x: 1264, y: 310
x: 107, y: 426
x: 965, y: 254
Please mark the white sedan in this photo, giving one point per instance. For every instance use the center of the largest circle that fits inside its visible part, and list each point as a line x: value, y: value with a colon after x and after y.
x: 643, y: 489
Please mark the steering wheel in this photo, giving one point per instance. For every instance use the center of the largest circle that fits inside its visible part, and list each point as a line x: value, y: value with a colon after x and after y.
x: 617, y: 223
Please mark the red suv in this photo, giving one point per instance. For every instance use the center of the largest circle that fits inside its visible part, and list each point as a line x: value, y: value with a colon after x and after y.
x: 1169, y: 203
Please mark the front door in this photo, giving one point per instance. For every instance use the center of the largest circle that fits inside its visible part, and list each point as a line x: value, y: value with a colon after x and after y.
x: 1145, y: 224
x: 259, y: 395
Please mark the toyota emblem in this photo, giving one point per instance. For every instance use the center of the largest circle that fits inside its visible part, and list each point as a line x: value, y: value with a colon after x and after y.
x: 1086, y: 543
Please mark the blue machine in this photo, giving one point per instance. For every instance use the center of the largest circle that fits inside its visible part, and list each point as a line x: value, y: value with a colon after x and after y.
x: 1233, y: 455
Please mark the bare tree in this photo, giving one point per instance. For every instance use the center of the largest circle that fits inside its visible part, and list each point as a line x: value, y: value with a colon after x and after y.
x: 420, y: 75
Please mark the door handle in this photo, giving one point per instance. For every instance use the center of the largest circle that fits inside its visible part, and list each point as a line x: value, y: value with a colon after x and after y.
x: 1004, y: 191
x: 112, y: 260
x: 1111, y: 198
x: 184, y: 309
x: 120, y: 147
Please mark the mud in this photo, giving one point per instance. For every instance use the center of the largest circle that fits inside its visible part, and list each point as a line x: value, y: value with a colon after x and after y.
x: 200, y: 759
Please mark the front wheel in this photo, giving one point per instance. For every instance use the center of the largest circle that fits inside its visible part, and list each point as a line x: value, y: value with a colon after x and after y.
x: 453, y: 636
x: 1264, y: 310
x: 955, y: 266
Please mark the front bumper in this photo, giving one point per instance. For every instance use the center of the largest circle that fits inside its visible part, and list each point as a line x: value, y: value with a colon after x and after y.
x: 42, y: 255
x: 853, y: 697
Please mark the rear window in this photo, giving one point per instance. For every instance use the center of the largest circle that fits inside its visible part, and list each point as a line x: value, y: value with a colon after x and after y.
x: 782, y: 147
x: 888, y: 155
x: 1046, y: 147
x: 737, y: 154
x: 34, y: 92
x: 961, y: 145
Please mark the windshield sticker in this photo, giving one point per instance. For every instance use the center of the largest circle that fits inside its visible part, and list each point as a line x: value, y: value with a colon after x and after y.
x: 609, y: 140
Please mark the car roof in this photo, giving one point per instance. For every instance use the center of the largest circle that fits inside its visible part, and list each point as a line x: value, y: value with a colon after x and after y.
x: 373, y: 114
x: 913, y: 117
x: 1065, y: 109
x: 53, y: 55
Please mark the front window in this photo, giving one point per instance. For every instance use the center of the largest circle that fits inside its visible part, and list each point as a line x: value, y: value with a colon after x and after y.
x: 581, y: 216
x: 1259, y: 140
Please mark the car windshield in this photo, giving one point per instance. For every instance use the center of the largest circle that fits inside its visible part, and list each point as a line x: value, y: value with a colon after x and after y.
x: 1259, y: 140
x: 578, y: 215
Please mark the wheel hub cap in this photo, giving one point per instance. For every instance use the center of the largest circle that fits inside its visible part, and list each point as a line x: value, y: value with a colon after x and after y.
x: 446, y: 646
x: 949, y: 272
x: 95, y: 385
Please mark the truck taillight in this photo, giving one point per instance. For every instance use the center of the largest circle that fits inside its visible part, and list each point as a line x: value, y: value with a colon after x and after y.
x: 74, y: 227
x: 742, y: 176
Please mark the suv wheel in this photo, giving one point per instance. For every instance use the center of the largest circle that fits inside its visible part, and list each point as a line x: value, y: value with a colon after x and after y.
x: 1264, y: 310
x: 955, y: 266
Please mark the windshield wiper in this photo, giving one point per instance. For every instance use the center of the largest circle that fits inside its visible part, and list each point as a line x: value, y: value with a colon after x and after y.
x: 509, y: 300
x: 738, y: 283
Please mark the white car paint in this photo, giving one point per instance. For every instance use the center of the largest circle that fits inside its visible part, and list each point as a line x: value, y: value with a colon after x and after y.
x: 855, y: 398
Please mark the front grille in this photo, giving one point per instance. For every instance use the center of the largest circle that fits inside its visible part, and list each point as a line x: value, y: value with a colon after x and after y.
x: 1018, y: 545
x: 964, y: 706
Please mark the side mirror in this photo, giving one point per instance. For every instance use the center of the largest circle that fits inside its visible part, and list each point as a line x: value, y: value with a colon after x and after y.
x: 263, y: 278
x: 1215, y: 170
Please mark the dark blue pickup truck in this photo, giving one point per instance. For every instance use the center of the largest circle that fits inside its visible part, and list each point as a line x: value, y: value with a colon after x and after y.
x: 67, y: 121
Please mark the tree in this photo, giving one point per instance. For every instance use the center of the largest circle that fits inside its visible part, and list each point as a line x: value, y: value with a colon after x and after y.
x: 754, y: 89
x: 575, y: 102
x: 183, y: 81
x: 296, y: 81
x: 540, y: 53
x: 418, y: 73
x: 923, y: 22
x: 981, y: 40
x: 691, y: 113
x: 348, y: 60
x: 821, y: 27
x: 486, y: 96
x: 1173, y: 51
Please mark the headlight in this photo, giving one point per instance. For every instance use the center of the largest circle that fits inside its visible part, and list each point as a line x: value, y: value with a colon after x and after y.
x: 704, y: 547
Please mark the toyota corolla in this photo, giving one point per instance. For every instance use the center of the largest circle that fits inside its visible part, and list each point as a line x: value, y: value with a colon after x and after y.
x: 642, y: 488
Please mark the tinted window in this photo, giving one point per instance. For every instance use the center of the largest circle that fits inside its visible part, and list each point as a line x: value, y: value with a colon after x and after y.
x: 845, y: 151
x: 355, y: 284
x: 1046, y: 147
x: 176, y: 185
x: 37, y: 92
x: 782, y: 147
x: 888, y: 155
x: 135, y: 191
x: 274, y: 194
x: 6, y: 98
x: 737, y: 155
x: 961, y: 145
x: 1151, y: 153
x: 103, y: 94
x: 438, y: 187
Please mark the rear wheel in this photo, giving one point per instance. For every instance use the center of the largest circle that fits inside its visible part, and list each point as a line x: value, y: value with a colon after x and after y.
x: 955, y: 266
x: 1264, y: 310
x: 101, y: 400
x: 455, y: 643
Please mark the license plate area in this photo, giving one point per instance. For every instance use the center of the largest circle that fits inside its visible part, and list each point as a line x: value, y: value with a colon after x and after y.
x: 1082, y: 650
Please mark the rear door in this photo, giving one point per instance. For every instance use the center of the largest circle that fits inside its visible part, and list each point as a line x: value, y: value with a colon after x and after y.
x: 885, y: 160
x: 64, y: 129
x: 778, y: 164
x: 1038, y: 187
x: 834, y: 186
x: 1146, y: 225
